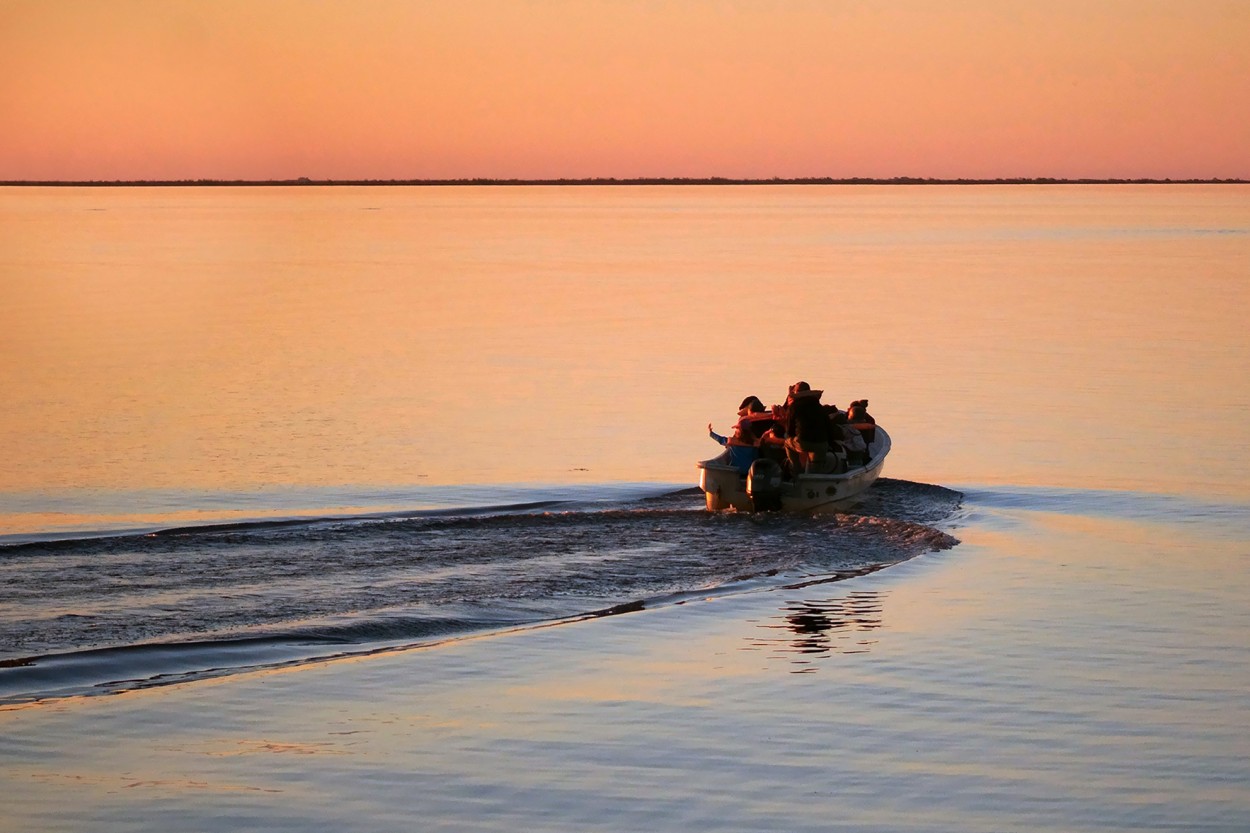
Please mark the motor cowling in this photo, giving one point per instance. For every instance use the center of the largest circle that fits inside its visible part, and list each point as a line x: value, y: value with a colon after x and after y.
x: 764, y: 485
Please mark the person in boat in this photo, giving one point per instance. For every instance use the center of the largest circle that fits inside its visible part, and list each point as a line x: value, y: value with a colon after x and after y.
x: 740, y: 446
x: 772, y: 446
x: 754, y: 420
x: 859, y: 418
x: 807, y: 430
x: 851, y: 446
x: 751, y: 405
x: 743, y: 445
x: 858, y: 413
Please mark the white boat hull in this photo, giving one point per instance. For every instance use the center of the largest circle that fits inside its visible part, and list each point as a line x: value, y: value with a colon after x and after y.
x: 810, y: 494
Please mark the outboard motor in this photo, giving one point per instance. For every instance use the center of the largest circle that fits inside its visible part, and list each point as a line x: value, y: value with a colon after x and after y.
x: 764, y: 485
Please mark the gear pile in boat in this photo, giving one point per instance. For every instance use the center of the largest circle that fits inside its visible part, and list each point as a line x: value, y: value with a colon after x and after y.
x: 803, y: 435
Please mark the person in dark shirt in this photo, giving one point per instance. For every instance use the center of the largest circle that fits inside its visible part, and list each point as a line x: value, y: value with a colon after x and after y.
x: 807, y: 430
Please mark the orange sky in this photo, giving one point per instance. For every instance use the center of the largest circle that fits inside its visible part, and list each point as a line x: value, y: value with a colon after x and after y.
x: 258, y: 89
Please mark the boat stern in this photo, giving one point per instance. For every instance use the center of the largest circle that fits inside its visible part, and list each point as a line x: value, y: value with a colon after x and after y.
x: 723, y: 487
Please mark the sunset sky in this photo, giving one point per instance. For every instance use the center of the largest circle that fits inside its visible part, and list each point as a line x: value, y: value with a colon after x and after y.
x: 261, y: 89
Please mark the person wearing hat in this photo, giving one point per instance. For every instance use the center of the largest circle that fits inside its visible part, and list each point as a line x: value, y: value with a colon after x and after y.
x: 807, y: 430
x: 751, y: 405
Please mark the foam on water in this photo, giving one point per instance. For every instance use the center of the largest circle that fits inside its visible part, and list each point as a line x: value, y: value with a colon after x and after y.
x: 102, y: 614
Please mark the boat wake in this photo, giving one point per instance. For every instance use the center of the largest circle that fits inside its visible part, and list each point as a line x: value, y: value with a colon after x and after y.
x: 103, y: 615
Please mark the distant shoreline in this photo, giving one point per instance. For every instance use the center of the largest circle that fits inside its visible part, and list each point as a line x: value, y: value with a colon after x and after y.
x: 899, y: 180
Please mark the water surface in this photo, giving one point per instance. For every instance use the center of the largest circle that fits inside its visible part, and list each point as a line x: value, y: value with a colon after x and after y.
x: 238, y: 341
x: 373, y: 504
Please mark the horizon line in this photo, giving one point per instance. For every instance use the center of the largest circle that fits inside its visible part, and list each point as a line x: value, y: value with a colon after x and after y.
x: 715, y: 180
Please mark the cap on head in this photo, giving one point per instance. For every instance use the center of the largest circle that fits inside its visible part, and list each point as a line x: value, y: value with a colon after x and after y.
x: 751, y: 405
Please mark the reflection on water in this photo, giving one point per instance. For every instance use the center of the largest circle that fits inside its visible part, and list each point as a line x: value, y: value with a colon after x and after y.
x: 807, y: 630
x: 245, y: 340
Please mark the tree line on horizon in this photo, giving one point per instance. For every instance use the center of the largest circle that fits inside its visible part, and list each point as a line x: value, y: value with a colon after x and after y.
x: 716, y: 180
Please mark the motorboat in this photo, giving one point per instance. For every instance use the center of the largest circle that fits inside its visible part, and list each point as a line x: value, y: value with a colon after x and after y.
x: 763, y: 487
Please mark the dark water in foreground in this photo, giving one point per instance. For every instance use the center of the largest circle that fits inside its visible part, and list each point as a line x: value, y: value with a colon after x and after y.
x: 1077, y: 663
x: 100, y: 615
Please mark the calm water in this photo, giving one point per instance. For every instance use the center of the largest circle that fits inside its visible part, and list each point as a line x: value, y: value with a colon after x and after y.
x: 432, y: 413
x: 172, y: 354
